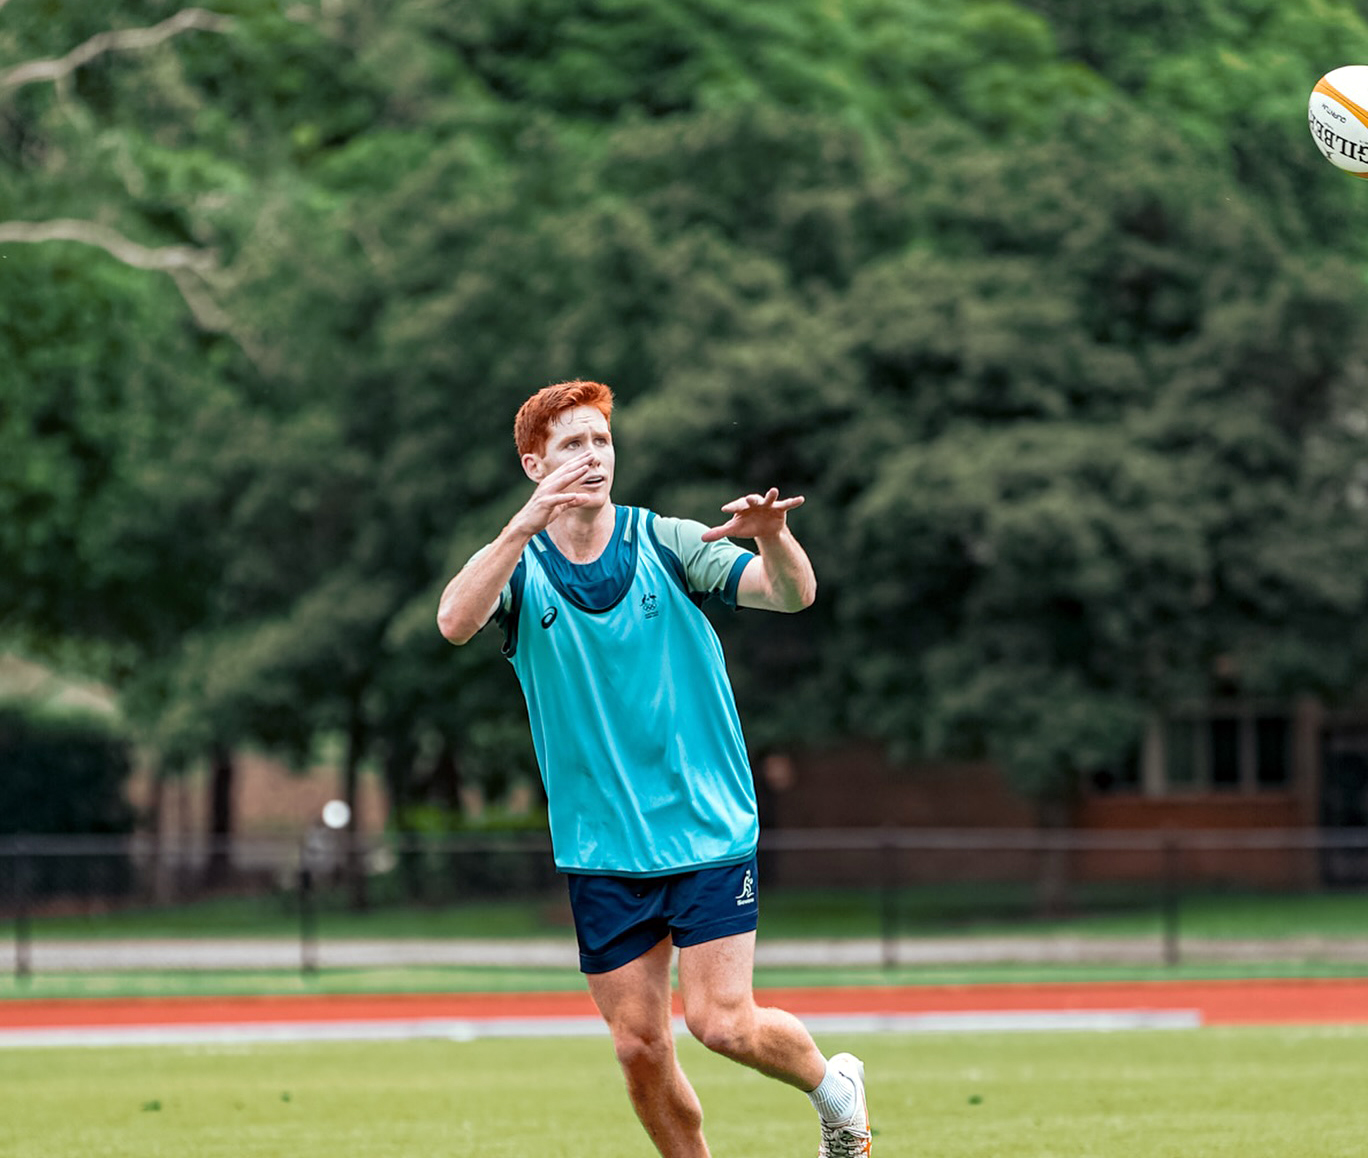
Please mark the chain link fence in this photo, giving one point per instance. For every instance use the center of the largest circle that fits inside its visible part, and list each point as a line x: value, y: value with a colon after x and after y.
x: 887, y: 897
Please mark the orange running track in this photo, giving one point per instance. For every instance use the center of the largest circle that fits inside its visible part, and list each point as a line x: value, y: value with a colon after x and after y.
x: 1245, y: 1002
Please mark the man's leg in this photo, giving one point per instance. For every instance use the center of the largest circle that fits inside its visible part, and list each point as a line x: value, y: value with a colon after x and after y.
x: 715, y: 980
x: 635, y: 1002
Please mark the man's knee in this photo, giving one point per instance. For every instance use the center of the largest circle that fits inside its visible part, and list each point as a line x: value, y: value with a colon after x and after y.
x: 643, y: 1053
x: 725, y: 1029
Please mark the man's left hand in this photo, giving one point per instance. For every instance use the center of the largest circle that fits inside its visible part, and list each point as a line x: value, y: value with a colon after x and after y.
x: 754, y: 517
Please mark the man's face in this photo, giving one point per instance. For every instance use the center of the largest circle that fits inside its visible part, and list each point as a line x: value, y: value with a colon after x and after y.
x: 574, y: 432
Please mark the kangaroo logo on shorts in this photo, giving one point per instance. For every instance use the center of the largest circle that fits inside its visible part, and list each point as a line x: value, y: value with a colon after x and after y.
x: 747, y: 894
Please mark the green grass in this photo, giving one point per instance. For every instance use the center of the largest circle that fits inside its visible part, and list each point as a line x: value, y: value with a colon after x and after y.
x: 257, y: 982
x: 958, y: 910
x: 479, y: 979
x: 1216, y: 1093
x: 279, y: 917
x: 801, y: 914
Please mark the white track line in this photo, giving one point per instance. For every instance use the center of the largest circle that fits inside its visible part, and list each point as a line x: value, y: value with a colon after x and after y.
x: 472, y: 1029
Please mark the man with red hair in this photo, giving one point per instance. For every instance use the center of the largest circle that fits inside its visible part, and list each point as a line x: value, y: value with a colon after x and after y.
x: 649, y: 788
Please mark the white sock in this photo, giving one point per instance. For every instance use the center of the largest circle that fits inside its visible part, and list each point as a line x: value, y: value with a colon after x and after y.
x: 835, y: 1097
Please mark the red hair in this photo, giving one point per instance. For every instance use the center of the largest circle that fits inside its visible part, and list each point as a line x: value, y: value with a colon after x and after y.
x: 532, y: 426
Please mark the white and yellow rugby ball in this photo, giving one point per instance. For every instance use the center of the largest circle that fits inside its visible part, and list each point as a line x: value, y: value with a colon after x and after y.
x: 1339, y: 118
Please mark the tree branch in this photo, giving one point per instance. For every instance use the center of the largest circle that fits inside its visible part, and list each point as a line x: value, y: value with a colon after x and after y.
x: 188, y: 267
x: 165, y: 258
x: 207, y: 313
x: 120, y: 40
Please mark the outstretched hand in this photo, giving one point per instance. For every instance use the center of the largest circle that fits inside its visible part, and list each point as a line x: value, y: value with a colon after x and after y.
x: 754, y: 517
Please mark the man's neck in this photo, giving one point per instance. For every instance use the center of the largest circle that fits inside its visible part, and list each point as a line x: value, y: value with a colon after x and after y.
x: 582, y: 535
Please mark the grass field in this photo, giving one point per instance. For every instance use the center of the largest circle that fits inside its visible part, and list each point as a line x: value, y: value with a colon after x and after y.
x: 479, y: 979
x: 1217, y: 1093
x: 944, y: 909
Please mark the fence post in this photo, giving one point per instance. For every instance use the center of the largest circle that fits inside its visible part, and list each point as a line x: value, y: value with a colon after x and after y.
x: 23, y: 927
x: 888, y: 898
x: 1170, y: 899
x: 308, y: 917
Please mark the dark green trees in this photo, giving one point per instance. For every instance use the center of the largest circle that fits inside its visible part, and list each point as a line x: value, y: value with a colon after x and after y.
x: 1050, y: 309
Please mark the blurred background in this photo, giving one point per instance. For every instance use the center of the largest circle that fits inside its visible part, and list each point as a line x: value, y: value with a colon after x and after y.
x: 1050, y: 308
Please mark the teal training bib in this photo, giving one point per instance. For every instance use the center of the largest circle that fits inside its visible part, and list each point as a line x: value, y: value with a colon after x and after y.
x: 633, y: 719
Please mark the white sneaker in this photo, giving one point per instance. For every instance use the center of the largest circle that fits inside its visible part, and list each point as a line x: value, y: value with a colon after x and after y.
x: 850, y: 1138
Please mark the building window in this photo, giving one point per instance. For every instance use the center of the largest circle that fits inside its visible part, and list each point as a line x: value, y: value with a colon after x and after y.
x: 1235, y: 749
x: 1225, y: 751
x: 1178, y: 755
x: 1228, y: 747
x: 1273, y: 747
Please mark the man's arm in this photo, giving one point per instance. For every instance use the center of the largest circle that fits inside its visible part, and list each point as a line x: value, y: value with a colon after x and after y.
x: 780, y: 577
x: 470, y: 600
x: 472, y: 596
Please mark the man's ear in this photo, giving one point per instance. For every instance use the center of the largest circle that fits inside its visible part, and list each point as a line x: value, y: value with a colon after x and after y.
x: 532, y: 467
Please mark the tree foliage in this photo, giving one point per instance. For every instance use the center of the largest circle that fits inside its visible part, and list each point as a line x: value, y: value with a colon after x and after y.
x: 1046, y: 306
x: 63, y: 774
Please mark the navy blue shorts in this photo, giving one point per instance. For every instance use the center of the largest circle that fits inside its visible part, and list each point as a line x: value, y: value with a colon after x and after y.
x: 617, y: 919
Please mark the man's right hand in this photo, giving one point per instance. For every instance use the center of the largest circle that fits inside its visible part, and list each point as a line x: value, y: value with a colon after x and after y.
x: 555, y: 493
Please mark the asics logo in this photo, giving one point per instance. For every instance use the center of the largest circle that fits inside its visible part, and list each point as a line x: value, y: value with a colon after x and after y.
x: 747, y: 894
x: 549, y: 616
